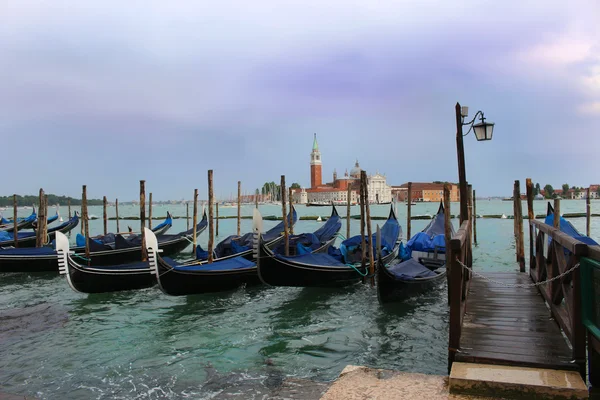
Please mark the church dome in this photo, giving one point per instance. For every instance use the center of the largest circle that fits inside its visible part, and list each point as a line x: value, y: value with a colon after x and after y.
x: 355, y: 172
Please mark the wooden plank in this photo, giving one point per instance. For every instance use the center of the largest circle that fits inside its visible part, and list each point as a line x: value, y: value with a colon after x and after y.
x: 513, y: 359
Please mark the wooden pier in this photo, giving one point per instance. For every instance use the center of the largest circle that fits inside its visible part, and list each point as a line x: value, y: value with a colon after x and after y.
x: 529, y: 319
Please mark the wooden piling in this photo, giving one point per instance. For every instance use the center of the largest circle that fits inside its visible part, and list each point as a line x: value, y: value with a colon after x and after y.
x: 150, y: 212
x: 16, y: 228
x: 363, y: 241
x: 117, y: 213
x: 369, y: 230
x: 470, y: 203
x: 474, y: 218
x: 187, y: 215
x: 217, y: 221
x: 588, y: 213
x: 143, y: 218
x: 45, y: 221
x: 447, y: 234
x: 286, y: 236
x: 348, y: 205
x: 38, y: 230
x: 239, y: 209
x: 531, y: 217
x: 85, y: 222
x: 104, y: 216
x: 408, y: 210
x: 520, y: 234
x: 194, y: 221
x: 69, y: 208
x: 515, y: 220
x: 211, y: 231
x: 290, y: 204
x: 557, y: 213
x: 256, y: 199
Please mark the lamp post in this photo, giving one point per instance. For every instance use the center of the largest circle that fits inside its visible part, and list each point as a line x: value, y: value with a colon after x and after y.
x: 483, y: 131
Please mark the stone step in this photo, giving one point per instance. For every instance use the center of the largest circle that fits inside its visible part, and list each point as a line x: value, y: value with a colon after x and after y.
x: 516, y: 382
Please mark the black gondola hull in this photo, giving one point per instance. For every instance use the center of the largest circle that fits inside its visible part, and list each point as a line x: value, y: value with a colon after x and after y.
x: 29, y: 263
x: 277, y: 272
x: 90, y: 281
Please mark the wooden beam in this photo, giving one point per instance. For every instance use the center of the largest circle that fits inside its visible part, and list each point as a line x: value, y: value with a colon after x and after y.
x: 290, y: 203
x: 557, y: 213
x: 16, y: 227
x: 239, y: 208
x: 195, y: 223
x: 520, y: 238
x: 211, y: 231
x: 348, y: 205
x: 104, y: 216
x: 286, y: 236
x: 85, y: 222
x: 408, y: 210
x: 143, y: 218
x: 531, y: 217
x: 150, y: 212
x: 447, y: 234
x: 369, y: 230
x: 474, y: 217
x: 117, y: 213
x: 363, y: 241
x: 217, y: 221
x: 588, y: 213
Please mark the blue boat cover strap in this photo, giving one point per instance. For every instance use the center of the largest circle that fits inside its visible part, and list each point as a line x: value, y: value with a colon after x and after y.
x: 223, y: 265
x: 410, y: 270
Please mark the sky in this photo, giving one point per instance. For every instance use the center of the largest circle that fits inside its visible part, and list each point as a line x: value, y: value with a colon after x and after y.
x: 106, y: 93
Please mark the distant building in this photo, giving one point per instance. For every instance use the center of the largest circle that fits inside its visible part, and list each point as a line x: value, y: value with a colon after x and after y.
x: 336, y: 191
x: 425, y: 191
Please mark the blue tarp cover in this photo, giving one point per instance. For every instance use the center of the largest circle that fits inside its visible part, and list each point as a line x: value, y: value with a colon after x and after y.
x: 390, y: 232
x: 331, y: 227
x: 319, y: 259
x: 167, y: 221
x: 28, y: 251
x: 432, y: 236
x: 569, y: 229
x: 410, y: 270
x: 223, y: 265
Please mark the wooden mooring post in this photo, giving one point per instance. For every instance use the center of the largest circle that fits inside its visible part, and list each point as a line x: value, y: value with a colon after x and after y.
x: 45, y: 221
x: 588, y: 213
x: 447, y: 234
x: 69, y: 208
x: 519, y: 227
x: 150, y: 212
x: 211, y: 222
x: 408, y: 210
x: 531, y: 217
x: 217, y: 221
x: 348, y: 205
x: 363, y: 242
x: 290, y: 205
x: 16, y: 227
x: 474, y: 218
x: 117, y: 213
x: 256, y: 199
x: 286, y: 236
x: 85, y: 222
x: 239, y: 209
x: 104, y: 216
x: 470, y: 198
x: 556, y: 221
x: 40, y: 215
x: 143, y: 218
x: 194, y: 221
x: 187, y: 215
x: 369, y: 230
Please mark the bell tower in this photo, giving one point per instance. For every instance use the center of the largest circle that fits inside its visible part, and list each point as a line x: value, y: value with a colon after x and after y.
x: 315, y: 165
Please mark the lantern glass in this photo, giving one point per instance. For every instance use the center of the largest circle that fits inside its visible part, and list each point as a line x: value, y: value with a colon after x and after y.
x: 483, y: 130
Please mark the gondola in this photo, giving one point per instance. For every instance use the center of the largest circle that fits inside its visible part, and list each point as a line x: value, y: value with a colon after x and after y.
x: 121, y: 251
x: 28, y: 239
x: 231, y: 272
x: 423, y: 266
x: 124, y: 250
x: 22, y: 223
x: 110, y: 238
x: 567, y: 227
x: 90, y: 279
x: 336, y: 268
x: 236, y: 246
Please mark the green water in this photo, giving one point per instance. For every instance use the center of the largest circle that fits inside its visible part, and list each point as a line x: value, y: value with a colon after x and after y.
x: 58, y: 344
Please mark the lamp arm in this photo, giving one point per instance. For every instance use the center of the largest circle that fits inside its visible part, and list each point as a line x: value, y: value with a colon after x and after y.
x: 474, y: 118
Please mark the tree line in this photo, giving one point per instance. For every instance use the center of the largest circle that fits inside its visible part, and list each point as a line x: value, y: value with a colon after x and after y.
x: 550, y: 193
x: 275, y: 190
x: 29, y: 200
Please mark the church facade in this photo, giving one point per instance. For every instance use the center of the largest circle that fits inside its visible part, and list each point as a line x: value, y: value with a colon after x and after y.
x: 336, y: 191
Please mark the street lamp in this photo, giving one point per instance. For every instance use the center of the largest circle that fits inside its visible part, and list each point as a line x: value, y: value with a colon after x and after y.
x: 483, y: 131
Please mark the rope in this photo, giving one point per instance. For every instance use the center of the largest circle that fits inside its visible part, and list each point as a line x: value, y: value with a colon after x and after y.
x: 357, y: 270
x: 519, y: 285
x: 80, y: 257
